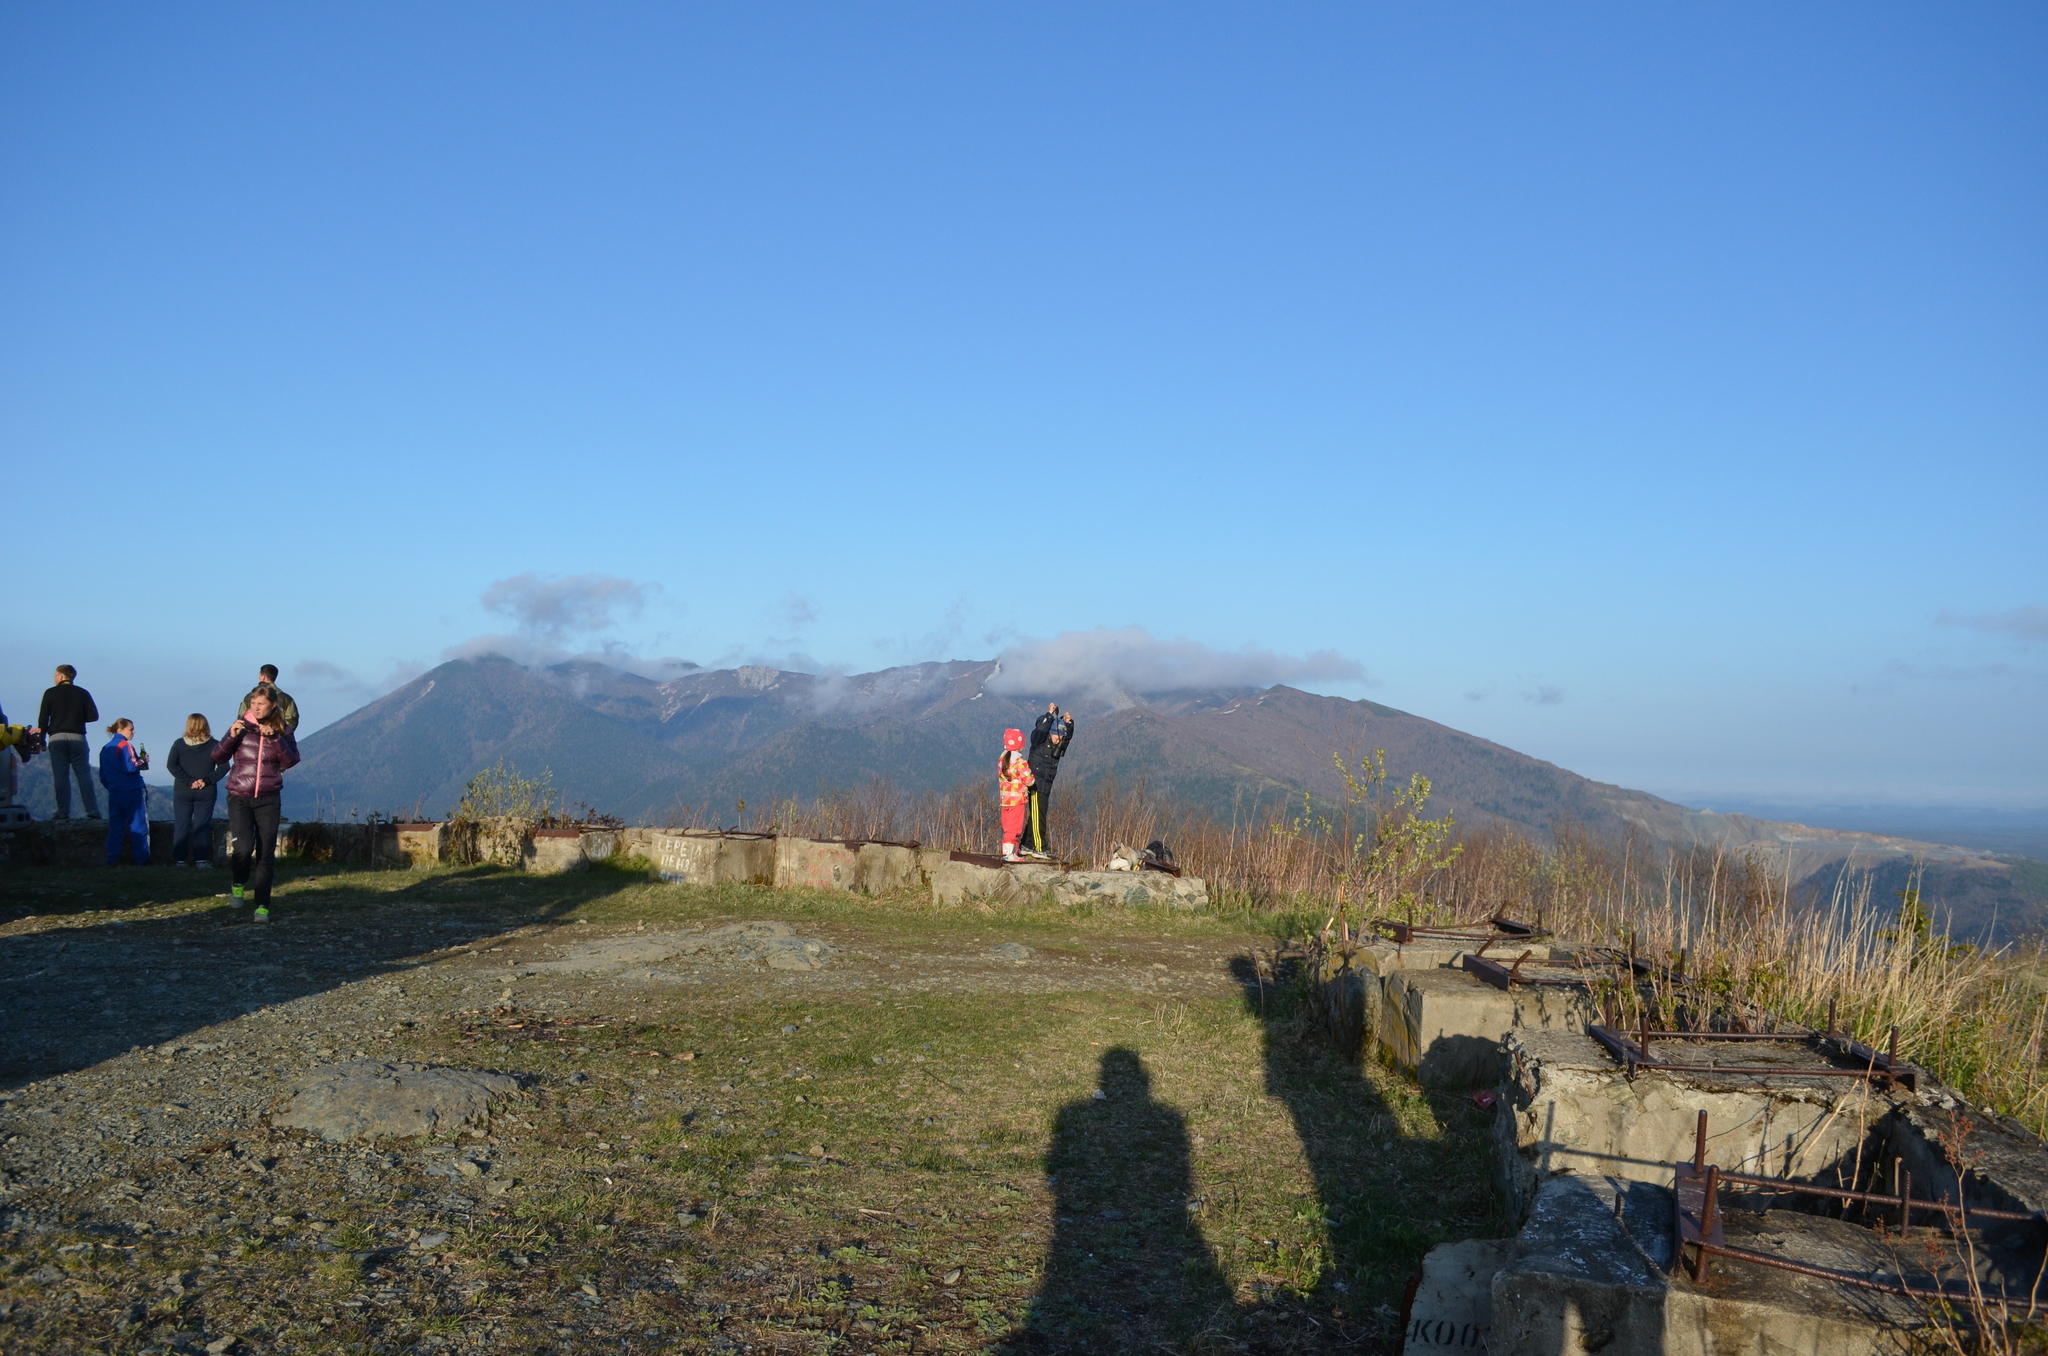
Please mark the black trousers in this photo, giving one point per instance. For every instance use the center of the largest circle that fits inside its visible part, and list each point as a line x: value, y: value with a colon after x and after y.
x: 252, y: 830
x: 192, y: 825
x: 1035, y: 812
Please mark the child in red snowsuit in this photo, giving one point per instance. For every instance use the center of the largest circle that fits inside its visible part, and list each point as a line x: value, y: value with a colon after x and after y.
x: 1013, y: 783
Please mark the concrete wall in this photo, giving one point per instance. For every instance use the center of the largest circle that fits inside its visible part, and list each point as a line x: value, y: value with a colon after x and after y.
x: 550, y: 852
x: 83, y: 842
x: 1447, y: 1026
x: 808, y: 864
x: 695, y: 856
x: 1566, y: 1106
x: 960, y: 879
x: 702, y: 857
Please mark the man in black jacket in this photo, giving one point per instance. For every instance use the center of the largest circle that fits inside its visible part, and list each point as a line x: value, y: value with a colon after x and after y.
x: 67, y: 710
x: 1050, y: 736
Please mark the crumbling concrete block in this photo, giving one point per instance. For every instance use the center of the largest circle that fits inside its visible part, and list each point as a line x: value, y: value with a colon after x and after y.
x: 1594, y: 1269
x: 964, y: 878
x: 704, y: 856
x: 879, y: 868
x: 1157, y: 888
x: 1453, y: 1305
x: 960, y: 879
x: 811, y: 864
x: 421, y: 844
x: 1567, y: 1106
x: 684, y: 858
x: 1384, y: 958
x: 2005, y: 1167
x: 1447, y: 1026
x: 550, y: 852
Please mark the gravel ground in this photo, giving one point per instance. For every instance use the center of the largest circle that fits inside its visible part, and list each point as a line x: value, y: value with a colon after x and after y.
x: 771, y: 1126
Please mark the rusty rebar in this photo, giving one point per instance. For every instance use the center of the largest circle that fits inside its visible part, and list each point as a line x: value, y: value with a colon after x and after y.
x: 1898, y: 1287
x: 1846, y: 1195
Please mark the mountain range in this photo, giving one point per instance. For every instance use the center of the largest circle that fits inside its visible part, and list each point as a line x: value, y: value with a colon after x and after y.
x: 640, y: 749
x: 645, y: 750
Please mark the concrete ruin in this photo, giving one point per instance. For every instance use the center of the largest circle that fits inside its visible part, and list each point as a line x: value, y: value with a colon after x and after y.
x: 1607, y: 1158
x: 1430, y: 1014
x: 683, y: 856
x: 1448, y: 1026
x: 1567, y: 1106
x: 965, y: 877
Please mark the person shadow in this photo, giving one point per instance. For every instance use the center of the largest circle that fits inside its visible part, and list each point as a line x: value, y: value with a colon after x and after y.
x: 1386, y: 1193
x: 1128, y: 1268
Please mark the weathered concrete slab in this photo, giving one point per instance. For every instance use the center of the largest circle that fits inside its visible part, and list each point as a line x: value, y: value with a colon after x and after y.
x: 1566, y: 1106
x: 420, y: 844
x: 955, y: 882
x: 681, y: 858
x: 329, y: 843
x: 1384, y: 958
x: 703, y: 857
x: 551, y: 852
x: 1453, y: 1305
x: 879, y: 868
x: 811, y: 864
x: 1447, y: 1026
x: 2006, y: 1166
x: 1131, y: 888
x: 1593, y: 1271
x: 365, y: 1098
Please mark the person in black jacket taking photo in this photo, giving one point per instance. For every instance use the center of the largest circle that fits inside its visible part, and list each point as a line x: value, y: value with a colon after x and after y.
x: 193, y: 775
x: 1050, y: 737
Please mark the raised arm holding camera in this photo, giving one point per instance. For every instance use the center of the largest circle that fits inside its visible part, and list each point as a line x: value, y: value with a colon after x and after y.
x: 1051, y: 735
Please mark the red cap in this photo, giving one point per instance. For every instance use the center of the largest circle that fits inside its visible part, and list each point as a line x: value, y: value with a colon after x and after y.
x: 1013, y: 740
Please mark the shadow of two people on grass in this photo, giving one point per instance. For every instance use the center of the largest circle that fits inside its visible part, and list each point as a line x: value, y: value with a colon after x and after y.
x: 1129, y: 1268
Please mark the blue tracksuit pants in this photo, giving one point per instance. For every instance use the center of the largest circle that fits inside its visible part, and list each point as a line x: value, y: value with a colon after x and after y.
x: 128, y: 817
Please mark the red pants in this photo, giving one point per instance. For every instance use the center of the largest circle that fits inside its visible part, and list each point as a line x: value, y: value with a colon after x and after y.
x: 1013, y: 825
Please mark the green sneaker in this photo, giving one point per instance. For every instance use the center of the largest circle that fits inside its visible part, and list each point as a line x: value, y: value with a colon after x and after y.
x: 262, y: 914
x: 238, y: 894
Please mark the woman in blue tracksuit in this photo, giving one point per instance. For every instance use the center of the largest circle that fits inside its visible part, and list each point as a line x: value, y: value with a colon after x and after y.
x: 121, y: 767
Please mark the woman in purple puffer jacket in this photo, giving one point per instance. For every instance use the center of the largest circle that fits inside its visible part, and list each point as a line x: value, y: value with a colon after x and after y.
x: 261, y: 748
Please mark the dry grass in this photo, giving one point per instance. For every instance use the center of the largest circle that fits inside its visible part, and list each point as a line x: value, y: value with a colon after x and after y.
x: 1735, y: 924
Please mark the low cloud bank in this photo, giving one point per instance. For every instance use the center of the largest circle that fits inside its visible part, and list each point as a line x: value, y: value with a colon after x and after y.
x: 1106, y: 661
x: 553, y: 607
x: 346, y: 684
x: 558, y: 616
x: 2029, y: 624
x: 536, y: 654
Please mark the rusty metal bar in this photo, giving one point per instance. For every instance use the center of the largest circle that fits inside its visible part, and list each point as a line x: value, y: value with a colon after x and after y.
x: 1846, y: 1277
x: 1700, y: 1228
x: 1508, y: 976
x: 1638, y: 1056
x: 1492, y: 930
x: 1761, y: 1070
x: 1846, y: 1194
x: 1699, y: 1144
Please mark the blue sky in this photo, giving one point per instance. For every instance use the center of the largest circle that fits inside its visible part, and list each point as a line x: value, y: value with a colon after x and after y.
x: 1657, y: 391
